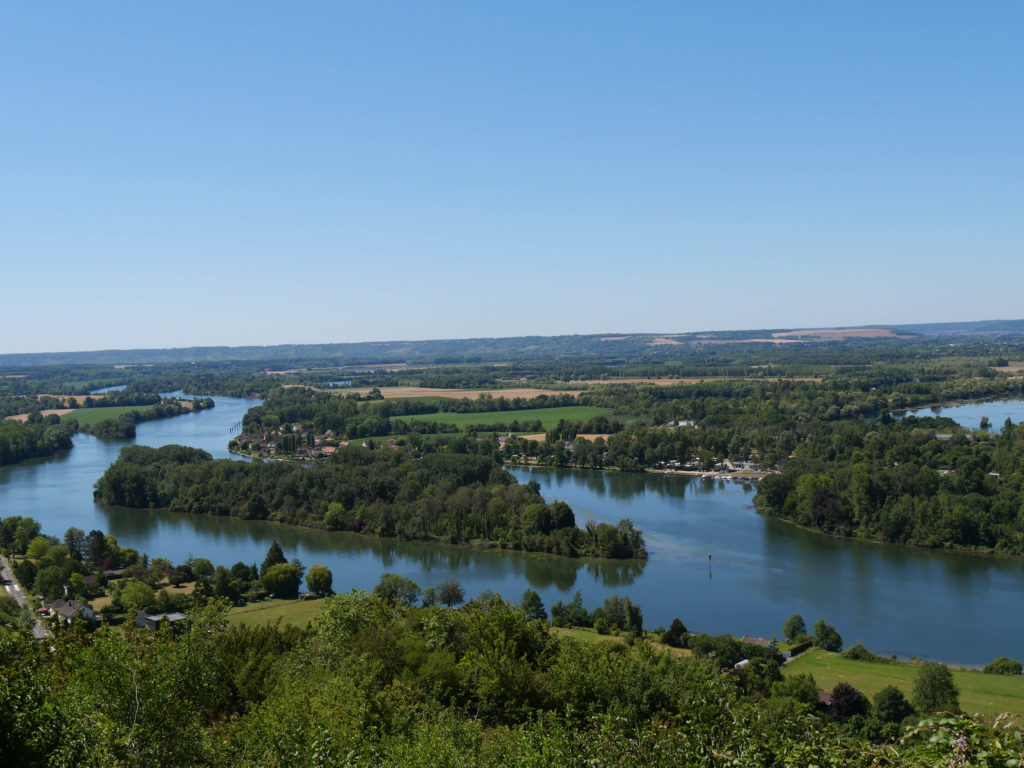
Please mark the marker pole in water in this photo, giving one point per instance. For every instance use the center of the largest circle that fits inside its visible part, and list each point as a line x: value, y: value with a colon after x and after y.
x: 709, y: 565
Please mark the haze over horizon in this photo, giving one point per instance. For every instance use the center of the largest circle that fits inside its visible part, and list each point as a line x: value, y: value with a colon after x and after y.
x: 247, y: 175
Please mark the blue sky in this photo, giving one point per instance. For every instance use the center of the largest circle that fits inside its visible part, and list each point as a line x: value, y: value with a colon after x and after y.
x: 262, y: 173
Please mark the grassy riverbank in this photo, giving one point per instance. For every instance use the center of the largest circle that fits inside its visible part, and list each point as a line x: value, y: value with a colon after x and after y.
x: 982, y: 694
x: 93, y: 416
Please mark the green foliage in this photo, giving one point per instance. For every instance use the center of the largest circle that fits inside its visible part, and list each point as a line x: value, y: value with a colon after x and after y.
x: 20, y: 441
x: 934, y: 689
x: 454, y: 497
x: 275, y: 556
x: 794, y: 627
x: 37, y: 547
x: 533, y: 606
x: 921, y: 481
x: 860, y: 653
x: 1003, y: 666
x: 133, y: 595
x: 282, y: 580
x: 397, y: 590
x: 450, y: 593
x: 826, y: 636
x: 319, y: 580
x: 800, y: 687
x: 847, y: 702
x: 891, y: 705
x: 49, y: 582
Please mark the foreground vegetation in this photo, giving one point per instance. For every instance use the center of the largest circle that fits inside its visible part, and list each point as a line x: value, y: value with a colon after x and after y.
x: 374, y: 682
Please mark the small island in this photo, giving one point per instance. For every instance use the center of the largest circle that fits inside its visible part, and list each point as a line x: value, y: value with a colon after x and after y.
x: 453, y: 498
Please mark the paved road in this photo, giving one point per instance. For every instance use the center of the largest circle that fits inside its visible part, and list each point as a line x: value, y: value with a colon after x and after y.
x: 7, y: 577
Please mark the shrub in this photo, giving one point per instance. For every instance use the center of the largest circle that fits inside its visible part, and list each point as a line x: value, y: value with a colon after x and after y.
x: 1003, y: 666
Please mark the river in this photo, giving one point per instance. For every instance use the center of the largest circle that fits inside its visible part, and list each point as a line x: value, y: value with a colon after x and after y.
x: 958, y: 608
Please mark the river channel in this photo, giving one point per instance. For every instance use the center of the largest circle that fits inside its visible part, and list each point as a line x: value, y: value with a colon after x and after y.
x: 958, y: 608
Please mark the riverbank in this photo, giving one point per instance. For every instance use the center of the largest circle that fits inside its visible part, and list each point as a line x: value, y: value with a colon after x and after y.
x: 903, y: 545
x: 713, y: 474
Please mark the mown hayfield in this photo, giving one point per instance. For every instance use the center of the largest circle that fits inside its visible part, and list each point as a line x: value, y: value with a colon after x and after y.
x: 586, y: 635
x: 295, y: 612
x: 987, y: 695
x: 549, y: 417
x: 93, y: 416
x: 418, y: 393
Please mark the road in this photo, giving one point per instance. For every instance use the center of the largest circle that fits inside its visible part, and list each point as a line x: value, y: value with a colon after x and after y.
x: 39, y: 631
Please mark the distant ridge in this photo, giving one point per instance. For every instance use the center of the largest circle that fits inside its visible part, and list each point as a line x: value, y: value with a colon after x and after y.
x: 481, y: 350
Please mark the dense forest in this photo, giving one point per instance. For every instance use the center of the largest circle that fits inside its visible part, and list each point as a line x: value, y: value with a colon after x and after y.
x: 457, y: 498
x: 921, y: 481
x: 39, y: 436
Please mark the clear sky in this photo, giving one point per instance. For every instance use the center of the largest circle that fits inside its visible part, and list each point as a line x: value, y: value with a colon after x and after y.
x: 178, y: 174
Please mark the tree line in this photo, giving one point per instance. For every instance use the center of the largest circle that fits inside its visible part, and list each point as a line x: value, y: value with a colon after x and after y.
x: 451, y: 497
x: 921, y: 481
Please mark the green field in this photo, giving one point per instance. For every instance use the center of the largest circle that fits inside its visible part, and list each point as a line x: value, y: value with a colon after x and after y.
x: 295, y: 612
x: 549, y: 417
x: 92, y: 416
x: 987, y: 695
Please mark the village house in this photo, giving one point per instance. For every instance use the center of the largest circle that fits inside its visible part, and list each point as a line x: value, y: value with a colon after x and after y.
x: 66, y: 610
x: 151, y: 621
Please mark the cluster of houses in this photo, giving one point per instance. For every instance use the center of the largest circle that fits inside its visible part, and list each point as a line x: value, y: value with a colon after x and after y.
x: 725, y: 465
x: 306, y: 443
x: 66, y: 609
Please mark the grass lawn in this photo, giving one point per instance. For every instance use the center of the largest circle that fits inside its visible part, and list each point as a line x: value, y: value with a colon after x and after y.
x: 295, y: 612
x: 549, y: 417
x: 988, y: 695
x: 93, y: 416
x: 101, y: 602
x: 585, y: 634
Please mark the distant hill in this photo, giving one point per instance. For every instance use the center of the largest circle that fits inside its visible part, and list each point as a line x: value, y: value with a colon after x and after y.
x: 480, y: 350
x: 979, y: 328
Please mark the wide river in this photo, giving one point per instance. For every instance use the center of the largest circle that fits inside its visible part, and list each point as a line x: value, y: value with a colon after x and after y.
x: 958, y: 608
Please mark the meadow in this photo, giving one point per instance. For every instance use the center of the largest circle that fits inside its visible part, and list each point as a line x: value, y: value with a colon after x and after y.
x: 548, y: 417
x: 295, y: 612
x: 92, y: 416
x: 987, y: 695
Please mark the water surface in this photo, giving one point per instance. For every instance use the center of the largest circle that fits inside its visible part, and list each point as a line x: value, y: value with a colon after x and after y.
x: 958, y: 608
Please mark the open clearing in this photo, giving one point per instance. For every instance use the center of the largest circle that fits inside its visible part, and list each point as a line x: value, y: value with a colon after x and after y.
x: 695, y: 380
x: 73, y: 401
x: 395, y: 393
x: 93, y: 416
x: 988, y: 695
x: 540, y: 438
x: 46, y: 412
x: 838, y: 334
x: 1012, y: 367
x: 549, y: 417
x: 295, y: 612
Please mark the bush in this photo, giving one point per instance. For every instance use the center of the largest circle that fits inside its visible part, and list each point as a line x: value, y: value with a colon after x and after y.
x: 934, y: 690
x: 891, y: 706
x: 1003, y: 666
x: 794, y: 627
x: 826, y: 636
x: 859, y: 653
x: 847, y: 701
x: 675, y: 635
